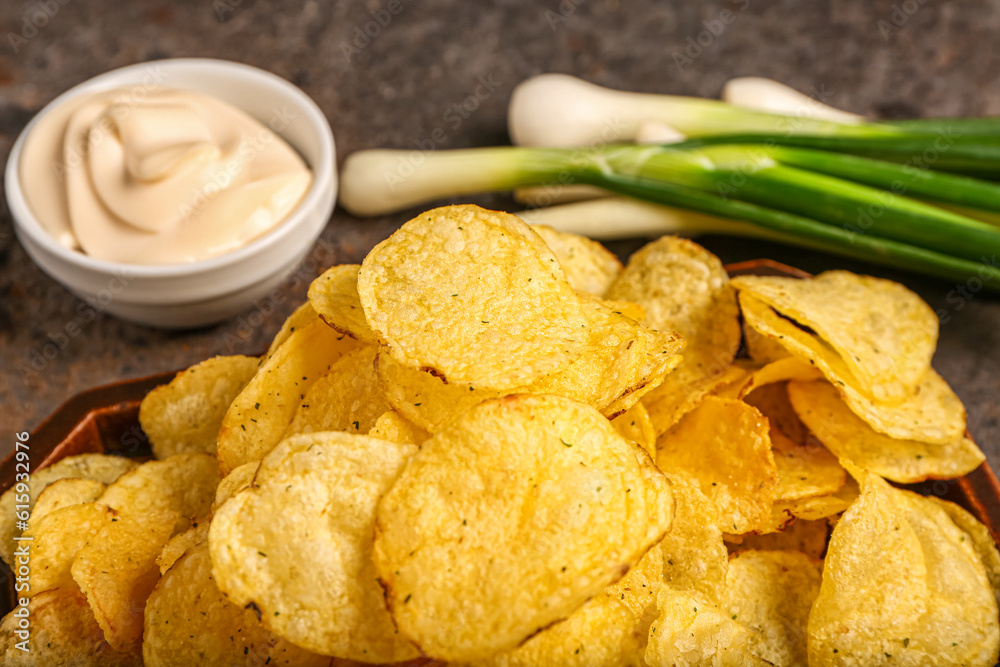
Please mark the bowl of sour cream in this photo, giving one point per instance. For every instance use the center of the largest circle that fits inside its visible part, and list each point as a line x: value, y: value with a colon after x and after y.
x: 175, y: 193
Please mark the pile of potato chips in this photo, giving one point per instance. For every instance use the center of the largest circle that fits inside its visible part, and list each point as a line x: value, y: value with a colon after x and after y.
x: 494, y: 445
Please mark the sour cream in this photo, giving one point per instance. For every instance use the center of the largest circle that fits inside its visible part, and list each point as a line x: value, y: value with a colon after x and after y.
x: 158, y: 176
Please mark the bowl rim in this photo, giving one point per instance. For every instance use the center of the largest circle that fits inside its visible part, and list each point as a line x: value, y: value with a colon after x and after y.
x: 324, y: 174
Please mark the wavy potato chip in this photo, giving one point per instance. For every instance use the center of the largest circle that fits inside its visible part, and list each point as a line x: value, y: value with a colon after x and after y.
x: 979, y: 535
x: 334, y: 296
x: 234, y: 482
x: 692, y: 632
x: 63, y: 632
x: 186, y: 414
x: 300, y: 318
x: 538, y: 490
x: 63, y: 493
x: 348, y: 398
x: 932, y: 413
x: 634, y: 424
x: 57, y: 538
x: 695, y: 558
x: 589, y: 266
x: 885, y: 333
x: 682, y: 287
x: 99, y: 467
x: 724, y: 444
x: 474, y: 295
x: 183, y: 484
x: 611, y: 628
x: 902, y: 580
x: 180, y: 544
x: 821, y: 408
x: 189, y: 621
x: 297, y: 546
x: 771, y: 592
x: 117, y: 570
x: 804, y: 471
x: 260, y: 414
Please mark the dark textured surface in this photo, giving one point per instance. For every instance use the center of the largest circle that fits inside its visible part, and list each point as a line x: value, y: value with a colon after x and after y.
x: 396, y: 90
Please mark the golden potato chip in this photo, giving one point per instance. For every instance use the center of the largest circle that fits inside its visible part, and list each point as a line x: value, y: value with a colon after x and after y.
x: 394, y: 427
x: 692, y: 632
x: 117, y: 569
x: 901, y: 580
x: 259, y: 416
x: 771, y: 592
x: 62, y: 631
x: 99, y: 467
x: 297, y: 546
x: 809, y: 537
x: 773, y: 402
x: 181, y: 543
x: 765, y: 377
x: 300, y: 318
x: 184, y: 484
x: 589, y: 266
x: 540, y: 490
x: 932, y: 413
x: 63, y: 493
x: 348, y: 398
x: 57, y: 538
x: 694, y: 555
x: 724, y: 444
x: 627, y: 308
x: 474, y: 295
x: 811, y: 508
x: 188, y: 621
x: 634, y: 424
x: 683, y: 288
x: 611, y: 628
x: 334, y: 295
x: 851, y: 439
x: 804, y: 471
x: 982, y: 541
x: 677, y: 399
x: 885, y: 333
x: 185, y: 415
x: 236, y: 481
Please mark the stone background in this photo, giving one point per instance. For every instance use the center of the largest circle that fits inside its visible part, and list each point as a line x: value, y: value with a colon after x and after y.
x: 890, y: 59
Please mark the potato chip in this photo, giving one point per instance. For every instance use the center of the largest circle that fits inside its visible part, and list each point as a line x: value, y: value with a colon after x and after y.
x: 694, y: 556
x: 57, y: 538
x: 764, y: 377
x: 62, y: 632
x: 902, y: 580
x: 184, y: 484
x: 679, y: 398
x: 845, y: 434
x: 185, y: 415
x: 724, y: 444
x: 804, y: 471
x: 773, y: 402
x: 771, y: 592
x: 932, y: 413
x: 809, y: 537
x: 334, y: 295
x: 99, y: 467
x: 811, y: 508
x: 611, y: 628
x: 117, y: 569
x: 180, y: 544
x: 313, y: 511
x: 683, y: 288
x: 982, y: 541
x: 885, y: 333
x: 474, y: 295
x: 300, y: 318
x: 235, y: 482
x: 63, y: 493
x: 394, y: 427
x: 692, y: 632
x: 259, y: 416
x: 348, y: 398
x: 589, y: 266
x: 634, y: 424
x: 189, y: 621
x: 540, y: 490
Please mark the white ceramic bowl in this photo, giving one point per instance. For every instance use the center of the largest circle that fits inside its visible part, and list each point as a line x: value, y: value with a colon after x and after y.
x: 211, y: 290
